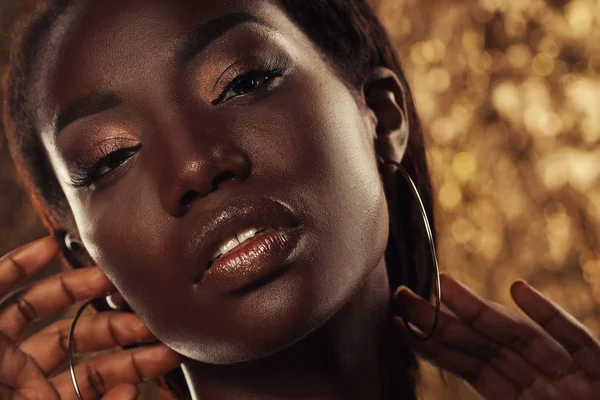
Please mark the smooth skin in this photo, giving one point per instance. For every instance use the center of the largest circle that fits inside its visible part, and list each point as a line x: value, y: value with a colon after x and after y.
x: 301, y: 137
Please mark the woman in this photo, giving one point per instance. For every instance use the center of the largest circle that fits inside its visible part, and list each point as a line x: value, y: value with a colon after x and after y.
x: 231, y: 169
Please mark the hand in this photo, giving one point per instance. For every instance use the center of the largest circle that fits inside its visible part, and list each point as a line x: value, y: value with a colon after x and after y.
x: 502, y: 354
x: 25, y: 366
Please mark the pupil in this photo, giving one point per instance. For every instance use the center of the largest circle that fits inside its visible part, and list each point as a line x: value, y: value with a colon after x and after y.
x: 113, y: 160
x: 250, y: 84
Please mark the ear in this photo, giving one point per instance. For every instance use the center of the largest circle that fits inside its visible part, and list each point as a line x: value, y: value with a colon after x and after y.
x: 73, y: 249
x: 385, y: 96
x: 75, y: 254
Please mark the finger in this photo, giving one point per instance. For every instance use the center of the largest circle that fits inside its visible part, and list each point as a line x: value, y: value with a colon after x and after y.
x: 581, y: 344
x: 17, y: 370
x: 25, y: 261
x: 485, y: 379
x: 95, y: 332
x: 123, y: 392
x: 456, y: 335
x: 52, y: 295
x: 99, y: 375
x: 515, y: 331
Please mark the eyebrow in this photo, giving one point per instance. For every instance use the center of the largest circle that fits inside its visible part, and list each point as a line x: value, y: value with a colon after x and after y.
x: 192, y: 45
x: 199, y: 39
x: 90, y: 104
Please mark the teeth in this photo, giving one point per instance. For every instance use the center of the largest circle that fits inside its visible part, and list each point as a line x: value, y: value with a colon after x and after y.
x: 217, y: 254
x: 229, y: 245
x: 246, y: 234
x: 234, y: 241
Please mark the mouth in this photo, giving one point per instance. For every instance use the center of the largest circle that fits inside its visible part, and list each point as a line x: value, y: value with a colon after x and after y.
x: 240, y: 238
x: 237, y: 242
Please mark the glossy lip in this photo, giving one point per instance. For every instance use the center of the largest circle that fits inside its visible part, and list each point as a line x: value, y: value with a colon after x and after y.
x: 254, y: 262
x: 212, y: 228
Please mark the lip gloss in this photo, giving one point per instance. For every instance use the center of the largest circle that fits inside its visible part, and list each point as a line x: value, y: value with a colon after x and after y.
x: 265, y: 253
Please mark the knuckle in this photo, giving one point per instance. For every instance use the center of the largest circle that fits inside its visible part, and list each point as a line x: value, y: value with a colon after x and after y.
x: 95, y: 380
x: 476, y: 315
x: 26, y: 309
x: 546, y: 322
x: 66, y: 290
x: 521, y: 341
x: 473, y: 373
x: 17, y: 267
x: 112, y: 329
x: 139, y: 376
x: 563, y: 371
x: 572, y: 347
x: 62, y: 338
x: 486, y: 349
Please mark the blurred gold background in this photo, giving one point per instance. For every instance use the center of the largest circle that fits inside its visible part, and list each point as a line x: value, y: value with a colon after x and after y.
x: 509, y: 96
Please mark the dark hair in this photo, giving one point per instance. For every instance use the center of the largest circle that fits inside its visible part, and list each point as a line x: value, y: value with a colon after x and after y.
x: 349, y: 34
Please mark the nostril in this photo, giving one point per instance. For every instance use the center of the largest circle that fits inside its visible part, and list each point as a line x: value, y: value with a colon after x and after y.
x: 222, y: 178
x: 187, y: 198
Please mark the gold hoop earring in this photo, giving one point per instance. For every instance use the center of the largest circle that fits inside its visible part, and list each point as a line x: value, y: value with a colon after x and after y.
x: 70, y: 349
x: 435, y: 265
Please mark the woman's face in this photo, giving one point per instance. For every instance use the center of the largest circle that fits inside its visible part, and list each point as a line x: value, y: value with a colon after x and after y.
x: 241, y: 125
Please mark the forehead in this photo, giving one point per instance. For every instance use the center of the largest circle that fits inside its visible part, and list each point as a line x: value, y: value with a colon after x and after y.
x: 104, y: 44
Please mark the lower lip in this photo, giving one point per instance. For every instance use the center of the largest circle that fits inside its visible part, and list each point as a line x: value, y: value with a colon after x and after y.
x: 257, y: 258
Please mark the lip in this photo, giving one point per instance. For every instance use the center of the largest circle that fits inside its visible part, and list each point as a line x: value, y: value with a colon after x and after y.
x: 255, y: 257
x: 257, y: 260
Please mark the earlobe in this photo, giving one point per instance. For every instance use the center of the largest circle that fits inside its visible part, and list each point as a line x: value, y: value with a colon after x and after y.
x: 386, y: 98
x: 72, y: 249
x: 76, y: 255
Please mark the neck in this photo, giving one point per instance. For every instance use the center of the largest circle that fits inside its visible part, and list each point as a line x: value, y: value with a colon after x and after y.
x: 343, y: 359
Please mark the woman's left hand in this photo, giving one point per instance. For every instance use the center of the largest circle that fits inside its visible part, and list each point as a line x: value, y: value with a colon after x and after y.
x: 502, y: 354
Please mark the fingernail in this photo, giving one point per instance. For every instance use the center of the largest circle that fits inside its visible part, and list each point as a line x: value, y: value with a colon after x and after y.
x: 399, y: 289
x: 401, y: 297
x: 515, y: 285
x: 401, y: 324
x: 405, y: 291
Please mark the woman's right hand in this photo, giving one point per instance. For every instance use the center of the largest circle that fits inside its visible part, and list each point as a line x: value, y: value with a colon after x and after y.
x: 26, y: 365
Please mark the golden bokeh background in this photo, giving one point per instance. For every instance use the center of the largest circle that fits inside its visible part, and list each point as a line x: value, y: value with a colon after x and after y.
x: 509, y: 96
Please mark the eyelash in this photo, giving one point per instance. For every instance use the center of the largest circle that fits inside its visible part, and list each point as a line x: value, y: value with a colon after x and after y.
x: 268, y: 71
x: 86, y: 176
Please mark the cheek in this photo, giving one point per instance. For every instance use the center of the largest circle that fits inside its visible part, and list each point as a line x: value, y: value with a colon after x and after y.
x: 326, y: 152
x: 336, y: 164
x: 128, y: 239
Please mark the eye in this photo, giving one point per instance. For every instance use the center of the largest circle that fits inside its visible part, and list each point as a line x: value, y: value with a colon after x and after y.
x: 112, y: 161
x: 248, y: 83
x: 86, y: 176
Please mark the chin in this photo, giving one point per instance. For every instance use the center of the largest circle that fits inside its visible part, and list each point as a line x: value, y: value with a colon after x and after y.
x: 248, y: 344
x: 287, y: 315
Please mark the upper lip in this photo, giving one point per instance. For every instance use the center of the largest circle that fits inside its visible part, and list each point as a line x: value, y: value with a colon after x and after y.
x: 213, y: 227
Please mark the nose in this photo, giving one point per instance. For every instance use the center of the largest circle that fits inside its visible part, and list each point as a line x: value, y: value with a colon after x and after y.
x: 198, y: 174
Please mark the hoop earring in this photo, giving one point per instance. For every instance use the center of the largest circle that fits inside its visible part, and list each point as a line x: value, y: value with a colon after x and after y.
x: 70, y: 349
x: 435, y: 266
